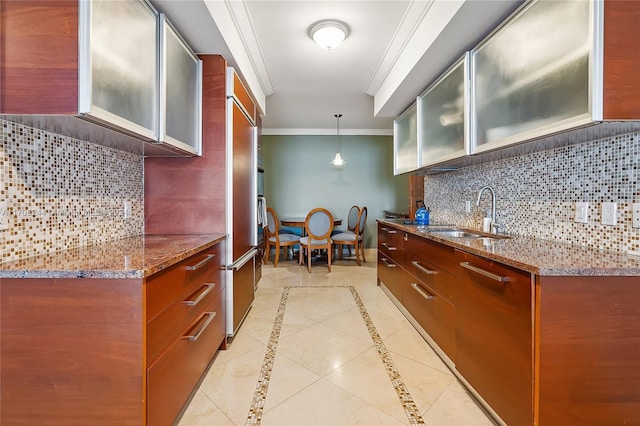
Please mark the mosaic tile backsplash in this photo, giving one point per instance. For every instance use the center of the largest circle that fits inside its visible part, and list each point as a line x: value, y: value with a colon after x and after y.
x: 536, y: 193
x: 58, y: 193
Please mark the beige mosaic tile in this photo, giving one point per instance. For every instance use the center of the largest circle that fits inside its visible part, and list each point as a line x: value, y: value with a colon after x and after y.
x: 64, y: 193
x: 536, y: 192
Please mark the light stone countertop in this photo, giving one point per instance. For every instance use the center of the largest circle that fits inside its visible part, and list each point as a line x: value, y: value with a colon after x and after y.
x: 132, y: 257
x: 541, y: 257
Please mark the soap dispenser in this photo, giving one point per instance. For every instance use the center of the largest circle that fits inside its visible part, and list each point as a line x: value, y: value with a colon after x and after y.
x: 486, y: 222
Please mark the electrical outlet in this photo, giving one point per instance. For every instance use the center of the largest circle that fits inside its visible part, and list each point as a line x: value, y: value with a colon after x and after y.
x: 608, y: 214
x: 4, y: 216
x: 467, y: 206
x: 582, y: 212
x: 636, y: 215
x: 127, y: 210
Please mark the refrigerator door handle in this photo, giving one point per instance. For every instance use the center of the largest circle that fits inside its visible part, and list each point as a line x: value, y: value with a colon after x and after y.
x: 244, y: 259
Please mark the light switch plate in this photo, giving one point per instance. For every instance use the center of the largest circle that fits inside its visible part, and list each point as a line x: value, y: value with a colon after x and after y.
x: 127, y: 210
x: 636, y: 215
x: 4, y: 216
x: 582, y: 212
x: 609, y: 213
x: 467, y: 206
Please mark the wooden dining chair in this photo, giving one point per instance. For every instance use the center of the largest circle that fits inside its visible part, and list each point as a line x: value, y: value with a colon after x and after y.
x: 318, y: 226
x: 352, y: 223
x: 275, y: 238
x: 355, y: 239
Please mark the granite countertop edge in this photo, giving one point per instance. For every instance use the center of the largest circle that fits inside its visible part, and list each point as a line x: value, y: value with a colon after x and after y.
x: 537, y: 256
x: 135, y: 257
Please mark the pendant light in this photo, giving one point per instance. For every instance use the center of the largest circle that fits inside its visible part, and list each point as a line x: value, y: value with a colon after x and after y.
x: 338, y: 161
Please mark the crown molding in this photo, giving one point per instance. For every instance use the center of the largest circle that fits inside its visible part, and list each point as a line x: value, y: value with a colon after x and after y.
x: 327, y: 132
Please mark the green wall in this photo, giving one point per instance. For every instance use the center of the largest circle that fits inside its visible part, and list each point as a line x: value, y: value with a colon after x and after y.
x: 299, y: 177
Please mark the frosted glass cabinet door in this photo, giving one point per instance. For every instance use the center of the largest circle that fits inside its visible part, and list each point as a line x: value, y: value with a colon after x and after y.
x: 181, y: 92
x: 123, y: 67
x: 405, y: 142
x: 443, y: 116
x: 532, y: 77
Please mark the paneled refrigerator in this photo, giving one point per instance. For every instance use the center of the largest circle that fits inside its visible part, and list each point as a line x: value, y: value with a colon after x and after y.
x: 241, y: 202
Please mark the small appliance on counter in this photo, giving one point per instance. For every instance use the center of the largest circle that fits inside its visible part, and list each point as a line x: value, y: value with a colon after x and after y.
x: 422, y: 213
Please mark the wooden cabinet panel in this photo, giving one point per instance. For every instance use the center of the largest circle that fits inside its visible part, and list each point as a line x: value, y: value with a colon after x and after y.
x: 167, y: 286
x: 392, y: 276
x: 433, y: 313
x: 243, y: 291
x: 173, y: 376
x: 163, y: 329
x: 494, y: 335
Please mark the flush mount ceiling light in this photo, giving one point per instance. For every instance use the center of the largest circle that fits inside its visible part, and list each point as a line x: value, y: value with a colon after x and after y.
x: 338, y: 161
x: 328, y: 33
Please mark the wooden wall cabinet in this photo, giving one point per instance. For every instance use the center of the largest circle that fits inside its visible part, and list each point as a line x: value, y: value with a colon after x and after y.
x: 90, y: 70
x: 110, y: 351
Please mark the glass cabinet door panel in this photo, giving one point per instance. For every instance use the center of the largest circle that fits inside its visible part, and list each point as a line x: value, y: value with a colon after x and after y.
x: 182, y: 91
x: 442, y: 115
x: 532, y: 76
x: 405, y: 141
x: 124, y: 70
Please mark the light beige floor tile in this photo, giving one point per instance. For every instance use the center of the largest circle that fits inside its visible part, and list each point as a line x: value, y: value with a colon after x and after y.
x: 324, y: 403
x: 456, y: 407
x: 260, y: 324
x: 231, y: 385
x: 322, y: 349
x: 287, y: 379
x: 350, y: 322
x: 425, y: 384
x: 241, y: 344
x: 366, y: 377
x: 324, y: 305
x: 203, y: 412
x: 410, y: 344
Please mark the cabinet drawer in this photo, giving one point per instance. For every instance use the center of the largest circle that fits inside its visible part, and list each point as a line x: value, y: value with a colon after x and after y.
x: 164, y: 328
x: 390, y: 235
x: 392, y: 276
x: 433, y: 313
x: 434, y: 253
x: 433, y: 276
x: 167, y: 286
x: 171, y: 379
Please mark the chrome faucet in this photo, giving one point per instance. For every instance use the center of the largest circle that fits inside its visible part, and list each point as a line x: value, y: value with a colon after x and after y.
x: 493, y: 205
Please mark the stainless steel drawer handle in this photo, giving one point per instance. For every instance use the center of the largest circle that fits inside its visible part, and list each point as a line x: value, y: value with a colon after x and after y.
x: 487, y: 274
x: 196, y: 336
x: 423, y: 269
x: 202, y: 295
x: 389, y: 230
x: 389, y: 264
x: 200, y: 264
x: 421, y: 292
x: 388, y: 247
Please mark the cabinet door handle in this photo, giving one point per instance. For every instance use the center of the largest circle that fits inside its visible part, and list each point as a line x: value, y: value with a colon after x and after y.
x: 389, y: 264
x: 196, y: 336
x: 389, y: 247
x: 423, y: 269
x: 422, y: 292
x: 487, y: 274
x: 389, y: 230
x: 201, y: 263
x: 202, y: 295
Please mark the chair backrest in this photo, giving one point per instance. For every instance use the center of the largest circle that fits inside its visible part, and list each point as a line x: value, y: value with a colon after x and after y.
x: 352, y: 218
x: 319, y: 224
x: 272, y: 222
x: 362, y: 221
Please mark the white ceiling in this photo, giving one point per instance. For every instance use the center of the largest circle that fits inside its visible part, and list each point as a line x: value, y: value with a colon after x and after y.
x: 395, y: 49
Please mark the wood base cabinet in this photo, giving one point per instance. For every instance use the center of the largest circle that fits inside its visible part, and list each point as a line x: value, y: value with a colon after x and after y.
x: 536, y: 350
x: 89, y: 351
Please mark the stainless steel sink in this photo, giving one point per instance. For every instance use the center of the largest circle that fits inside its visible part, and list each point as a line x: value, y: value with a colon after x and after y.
x: 460, y: 233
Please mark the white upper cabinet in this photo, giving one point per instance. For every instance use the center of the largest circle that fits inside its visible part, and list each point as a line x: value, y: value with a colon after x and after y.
x: 181, y: 92
x: 405, y: 142
x: 538, y: 74
x: 118, y: 67
x: 443, y: 116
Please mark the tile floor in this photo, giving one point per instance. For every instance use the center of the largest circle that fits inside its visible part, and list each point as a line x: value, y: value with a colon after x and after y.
x: 326, y: 348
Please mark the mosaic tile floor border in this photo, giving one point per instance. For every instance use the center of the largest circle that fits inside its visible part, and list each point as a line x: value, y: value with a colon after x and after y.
x: 260, y: 394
